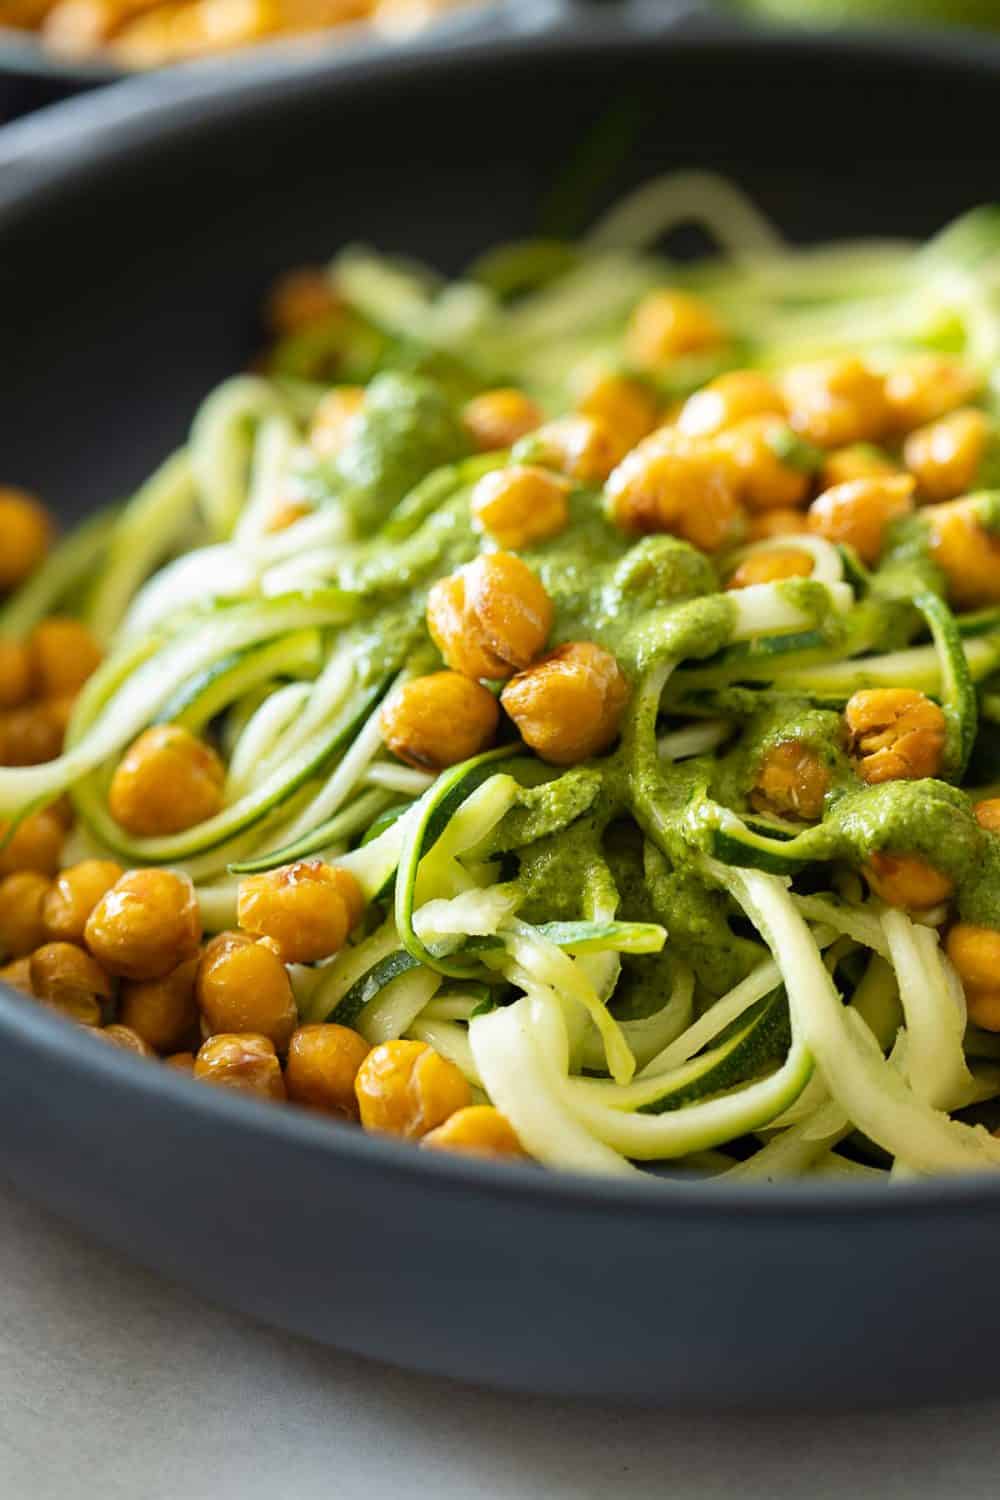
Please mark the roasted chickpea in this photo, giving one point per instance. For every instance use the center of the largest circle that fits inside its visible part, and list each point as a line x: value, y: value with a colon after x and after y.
x: 924, y: 387
x: 765, y: 480
x: 491, y: 617
x: 682, y: 485
x: 241, y: 986
x: 858, y: 513
x: 945, y: 457
x: 17, y: 975
x: 35, y: 844
x: 856, y: 461
x: 165, y: 782
x: 907, y: 880
x: 771, y: 566
x: 569, y: 705
x: 15, y: 674
x: 335, y: 419
x: 163, y: 1011
x: 146, y: 925
x: 497, y: 419
x: 987, y: 814
x: 323, y: 1063
x: 975, y: 952
x: 63, y: 655
x: 22, y: 902
x: 626, y: 405
x: 245, y: 1062
x: 301, y: 298
x: 791, y: 781
x: 520, y: 505
x: 729, y: 399
x: 583, y: 447
x: 305, y: 910
x: 480, y: 1130
x: 71, y: 981
x: 406, y: 1088
x: 668, y: 323
x: 125, y: 1038
x: 895, y: 734
x: 837, y: 401
x: 32, y: 733
x: 771, y: 523
x: 73, y: 896
x: 439, y: 720
x: 967, y: 553
x: 27, y: 532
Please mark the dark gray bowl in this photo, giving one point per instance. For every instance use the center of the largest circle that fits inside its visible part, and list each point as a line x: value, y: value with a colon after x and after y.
x: 137, y: 231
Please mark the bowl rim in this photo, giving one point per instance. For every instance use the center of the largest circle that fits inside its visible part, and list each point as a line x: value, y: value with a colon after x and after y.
x: 93, y: 132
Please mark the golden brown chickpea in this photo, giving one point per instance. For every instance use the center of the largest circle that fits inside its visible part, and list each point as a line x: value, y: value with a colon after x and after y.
x: 770, y: 523
x: 858, y: 513
x: 305, y: 909
x: 924, y: 387
x: 765, y: 481
x: 32, y: 733
x: 586, y: 448
x: 35, y: 844
x: 323, y: 1063
x: 27, y: 530
x: 944, y: 457
x: 496, y: 419
x: 15, y: 674
x: 439, y: 720
x: 987, y: 814
x: 18, y: 975
x: 165, y: 782
x: 22, y: 923
x: 146, y: 925
x: 856, y: 461
x: 569, y: 705
x: 975, y: 952
x: 491, y: 617
x: 983, y: 1009
x: 520, y: 505
x: 242, y: 986
x: 125, y: 1038
x: 895, y: 734
x: 680, y: 485
x: 407, y: 1089
x: 163, y: 1011
x: 245, y: 1062
x: 336, y: 419
x: 624, y: 404
x: 791, y: 781
x: 182, y: 1061
x: 299, y: 299
x: 966, y: 552
x: 771, y: 566
x: 729, y: 399
x: 668, y: 323
x: 480, y: 1130
x: 73, y: 896
x: 68, y: 979
x: 837, y: 401
x: 907, y: 880
x: 63, y: 654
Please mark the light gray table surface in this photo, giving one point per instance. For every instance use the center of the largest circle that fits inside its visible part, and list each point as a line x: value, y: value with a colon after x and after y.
x: 115, y: 1385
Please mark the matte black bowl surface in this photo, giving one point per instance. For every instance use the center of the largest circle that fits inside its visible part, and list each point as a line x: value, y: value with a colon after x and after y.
x: 137, y: 231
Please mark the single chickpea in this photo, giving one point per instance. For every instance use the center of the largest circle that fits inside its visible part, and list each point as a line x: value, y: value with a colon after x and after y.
x: 858, y: 513
x: 907, y: 880
x: 987, y: 814
x: 63, y: 654
x: 491, y: 617
x: 335, y: 419
x: 162, y: 1011
x: 73, y: 896
x: 146, y: 925
x: 27, y: 531
x: 15, y: 674
x: 299, y: 299
x: 967, y: 553
x: 245, y: 1062
x: 729, y: 399
x: 680, y: 485
x: 32, y: 733
x: 975, y: 952
x: 407, y: 1089
x: 71, y: 981
x: 924, y: 387
x: 439, y: 720
x: 182, y: 1061
x: 583, y: 447
x: 668, y: 323
x: 322, y: 1067
x: 945, y: 457
x: 480, y: 1130
x: 520, y: 505
x: 628, y: 406
x: 983, y: 1009
x: 305, y: 909
x: 836, y: 401
x: 165, y: 782
x: 765, y: 480
x: 22, y: 922
x: 497, y: 419
x: 791, y: 781
x: 125, y: 1038
x: 242, y: 986
x: 771, y: 566
x: 895, y: 734
x: 18, y: 976
x: 35, y: 844
x: 569, y: 705
x: 771, y: 523
x: 856, y: 461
